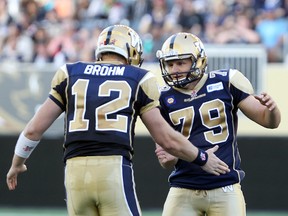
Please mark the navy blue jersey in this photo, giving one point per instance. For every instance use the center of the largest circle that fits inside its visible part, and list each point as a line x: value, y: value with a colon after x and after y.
x: 101, y: 102
x: 207, y: 116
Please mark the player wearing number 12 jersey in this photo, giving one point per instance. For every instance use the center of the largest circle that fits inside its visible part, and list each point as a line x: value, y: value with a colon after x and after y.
x: 203, y: 107
x: 101, y: 102
x: 113, y: 103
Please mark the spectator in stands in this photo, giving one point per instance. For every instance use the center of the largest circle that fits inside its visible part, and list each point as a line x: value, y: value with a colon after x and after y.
x: 84, y: 49
x: 41, y: 57
x: 32, y: 11
x: 41, y: 40
x: 63, y: 42
x: 272, y: 26
x: 110, y: 10
x: 65, y: 9
x: 137, y: 9
x: 5, y: 20
x: 18, y: 47
x: 187, y: 16
x: 154, y: 26
x: 236, y: 29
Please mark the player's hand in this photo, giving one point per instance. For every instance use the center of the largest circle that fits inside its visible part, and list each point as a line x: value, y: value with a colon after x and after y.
x: 165, y: 159
x: 163, y: 156
x: 214, y: 165
x: 266, y: 100
x: 12, y: 175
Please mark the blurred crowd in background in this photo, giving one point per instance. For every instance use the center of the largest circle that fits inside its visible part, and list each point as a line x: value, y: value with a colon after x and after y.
x: 60, y: 31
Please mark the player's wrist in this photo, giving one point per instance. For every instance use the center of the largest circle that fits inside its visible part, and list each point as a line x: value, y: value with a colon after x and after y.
x: 24, y: 146
x: 202, y: 158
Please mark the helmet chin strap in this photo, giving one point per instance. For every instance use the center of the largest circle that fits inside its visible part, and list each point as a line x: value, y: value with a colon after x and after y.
x: 189, y: 78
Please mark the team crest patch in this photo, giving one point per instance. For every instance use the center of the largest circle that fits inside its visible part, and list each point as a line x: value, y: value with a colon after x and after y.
x: 215, y: 87
x: 170, y: 100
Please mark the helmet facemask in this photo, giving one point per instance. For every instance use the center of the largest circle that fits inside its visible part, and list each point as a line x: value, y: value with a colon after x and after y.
x: 135, y: 50
x: 172, y: 79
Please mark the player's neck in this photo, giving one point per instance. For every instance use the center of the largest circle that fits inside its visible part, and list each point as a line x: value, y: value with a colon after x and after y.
x: 113, y: 57
x: 192, y: 85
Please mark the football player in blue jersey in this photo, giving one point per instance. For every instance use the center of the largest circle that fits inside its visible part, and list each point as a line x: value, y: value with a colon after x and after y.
x: 203, y: 107
x: 101, y: 102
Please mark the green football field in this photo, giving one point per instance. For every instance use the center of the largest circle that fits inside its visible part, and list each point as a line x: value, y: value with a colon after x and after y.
x: 62, y: 212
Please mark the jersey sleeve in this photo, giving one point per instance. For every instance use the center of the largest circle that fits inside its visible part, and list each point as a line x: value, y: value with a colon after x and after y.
x: 164, y: 103
x: 149, y: 86
x: 58, y: 87
x: 240, y: 87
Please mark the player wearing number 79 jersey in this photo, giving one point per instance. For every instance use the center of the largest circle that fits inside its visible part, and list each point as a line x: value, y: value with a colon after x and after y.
x: 203, y: 107
x: 207, y: 116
